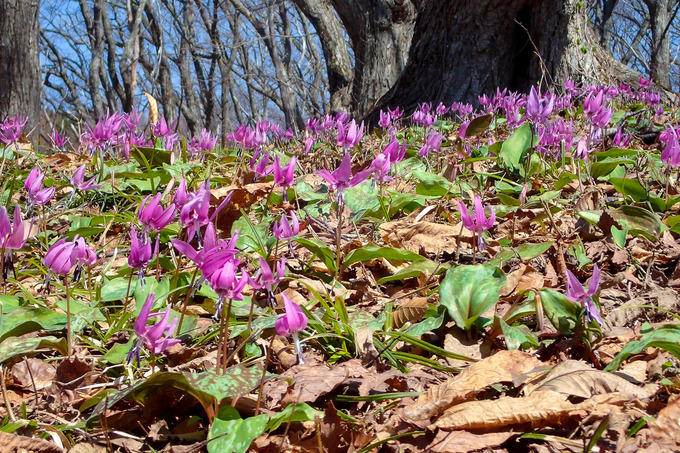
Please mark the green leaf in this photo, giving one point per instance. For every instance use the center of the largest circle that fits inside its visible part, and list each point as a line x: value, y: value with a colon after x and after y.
x: 362, y: 197
x: 517, y: 336
x: 666, y: 336
x: 602, y: 169
x: 478, y: 125
x: 508, y: 200
x: 529, y: 251
x: 118, y: 353
x: 296, y: 412
x: 416, y: 269
x: 115, y: 289
x: 630, y: 187
x: 319, y: 249
x: 305, y: 192
x: 431, y: 184
x: 371, y: 251
x: 155, y: 157
x: 30, y: 319
x: 207, y: 387
x: 515, y: 146
x: 640, y: 221
x: 232, y: 434
x: 468, y: 291
x: 13, y: 347
x: 619, y: 236
x: 562, y: 312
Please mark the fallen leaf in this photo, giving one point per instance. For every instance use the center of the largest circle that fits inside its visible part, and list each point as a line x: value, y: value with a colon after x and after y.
x: 500, y: 367
x: 33, y: 372
x: 464, y: 442
x: 431, y: 238
x: 411, y: 310
x: 13, y: 443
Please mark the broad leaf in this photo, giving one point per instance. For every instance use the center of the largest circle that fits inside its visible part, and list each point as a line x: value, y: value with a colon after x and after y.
x: 515, y: 146
x: 13, y: 347
x: 372, y: 251
x: 666, y: 337
x: 468, y: 291
x: 319, y: 249
x: 232, y: 434
x: 562, y: 312
x: 28, y: 319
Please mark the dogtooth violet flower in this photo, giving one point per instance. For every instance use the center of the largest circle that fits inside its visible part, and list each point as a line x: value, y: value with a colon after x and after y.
x: 576, y: 293
x: 59, y: 140
x: 477, y: 223
x: 433, y: 143
x: 284, y: 176
x: 225, y: 282
x: 78, y: 180
x: 140, y: 253
x: 195, y: 212
x: 64, y: 255
x: 33, y: 186
x: 12, y: 237
x: 342, y: 178
x: 349, y: 136
x: 290, y: 323
x: 394, y: 152
x: 538, y: 108
x: 385, y: 119
x: 284, y: 229
x: 155, y: 337
x: 152, y: 215
x: 10, y: 129
x: 671, y: 152
x: 267, y: 279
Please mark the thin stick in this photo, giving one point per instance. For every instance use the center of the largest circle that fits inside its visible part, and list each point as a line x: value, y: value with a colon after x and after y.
x: 186, y: 301
x: 225, y: 338
x: 264, y: 374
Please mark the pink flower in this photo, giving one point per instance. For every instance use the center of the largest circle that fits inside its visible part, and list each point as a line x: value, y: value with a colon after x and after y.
x: 156, y: 337
x: 341, y: 178
x: 140, y: 252
x: 10, y: 129
x: 671, y: 152
x: 78, y: 180
x: 576, y: 293
x: 350, y: 136
x: 284, y: 176
x: 477, y: 223
x: 153, y: 216
x: 293, y: 321
x: 267, y: 279
x: 538, y: 108
x: 33, y: 185
x: 385, y: 120
x: 63, y: 255
x: 283, y: 229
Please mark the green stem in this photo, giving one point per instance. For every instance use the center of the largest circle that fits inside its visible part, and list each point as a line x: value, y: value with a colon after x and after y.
x: 69, y: 332
x: 338, y: 240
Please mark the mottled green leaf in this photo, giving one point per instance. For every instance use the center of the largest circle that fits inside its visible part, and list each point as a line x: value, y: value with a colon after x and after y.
x: 468, y: 291
x: 12, y: 347
x: 371, y: 251
x: 666, y: 337
x: 232, y: 434
x: 30, y: 319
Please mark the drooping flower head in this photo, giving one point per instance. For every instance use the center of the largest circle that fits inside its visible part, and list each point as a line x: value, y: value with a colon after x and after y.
x: 349, y: 136
x: 342, y: 178
x: 78, y: 180
x: 291, y: 322
x: 140, y: 253
x: 577, y: 293
x: 478, y: 222
x: 155, y: 337
x: 10, y: 129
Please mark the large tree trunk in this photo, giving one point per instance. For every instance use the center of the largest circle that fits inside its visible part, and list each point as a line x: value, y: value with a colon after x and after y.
x: 20, y: 85
x: 380, y: 32
x: 338, y: 61
x: 465, y: 48
x: 660, y: 18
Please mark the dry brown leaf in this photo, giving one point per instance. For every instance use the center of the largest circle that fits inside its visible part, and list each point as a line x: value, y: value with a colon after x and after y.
x: 428, y: 237
x: 87, y: 448
x: 14, y: 443
x: 500, y: 367
x: 575, y: 378
x: 513, y: 280
x: 665, y: 429
x: 411, y: 310
x: 33, y: 372
x: 456, y: 341
x: 366, y: 350
x: 464, y: 442
x: 539, y: 409
x: 153, y: 108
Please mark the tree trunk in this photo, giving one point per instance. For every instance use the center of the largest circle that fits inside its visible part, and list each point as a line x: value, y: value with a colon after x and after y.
x: 338, y: 61
x: 465, y: 48
x: 380, y: 32
x: 660, y: 58
x: 20, y: 85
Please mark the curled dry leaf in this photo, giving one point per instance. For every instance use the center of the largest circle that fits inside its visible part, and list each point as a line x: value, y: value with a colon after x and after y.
x: 500, y: 367
x: 153, y: 108
x: 431, y: 238
x: 574, y: 378
x: 33, y: 372
x: 664, y: 429
x: 540, y: 409
x: 464, y: 442
x: 14, y: 443
x: 411, y: 310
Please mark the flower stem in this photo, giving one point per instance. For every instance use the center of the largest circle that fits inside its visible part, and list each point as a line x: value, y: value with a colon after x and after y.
x: 225, y: 336
x: 69, y: 332
x: 186, y: 301
x: 338, y: 240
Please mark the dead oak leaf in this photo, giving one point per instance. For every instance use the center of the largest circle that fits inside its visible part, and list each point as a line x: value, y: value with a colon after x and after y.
x: 500, y: 367
x: 464, y: 441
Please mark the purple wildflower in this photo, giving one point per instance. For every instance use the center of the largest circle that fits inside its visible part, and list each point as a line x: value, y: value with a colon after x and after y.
x: 576, y: 293
x: 293, y: 321
x: 156, y: 337
x: 341, y: 178
x: 478, y: 223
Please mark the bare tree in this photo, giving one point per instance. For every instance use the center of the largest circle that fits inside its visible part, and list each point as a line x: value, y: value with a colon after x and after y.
x: 19, y: 59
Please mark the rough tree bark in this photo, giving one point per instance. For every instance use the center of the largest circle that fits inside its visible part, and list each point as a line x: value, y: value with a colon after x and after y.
x: 660, y: 16
x: 19, y: 60
x: 338, y: 60
x: 380, y: 33
x: 466, y: 48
